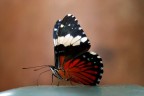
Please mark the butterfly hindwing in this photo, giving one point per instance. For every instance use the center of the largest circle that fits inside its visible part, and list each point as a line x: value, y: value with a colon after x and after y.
x: 85, y: 69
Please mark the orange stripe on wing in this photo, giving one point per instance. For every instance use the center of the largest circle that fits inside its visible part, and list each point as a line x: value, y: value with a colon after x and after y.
x: 74, y: 63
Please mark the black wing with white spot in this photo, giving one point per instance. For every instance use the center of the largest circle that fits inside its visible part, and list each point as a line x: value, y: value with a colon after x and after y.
x: 69, y: 38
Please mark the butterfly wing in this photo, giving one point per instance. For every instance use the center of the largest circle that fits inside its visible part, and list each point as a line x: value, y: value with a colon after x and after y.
x: 85, y: 69
x: 69, y: 39
x: 55, y: 39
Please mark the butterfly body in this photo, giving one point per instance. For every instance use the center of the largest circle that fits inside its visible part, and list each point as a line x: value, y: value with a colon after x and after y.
x: 73, y: 61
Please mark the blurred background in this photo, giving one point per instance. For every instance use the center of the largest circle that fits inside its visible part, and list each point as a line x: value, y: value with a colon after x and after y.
x: 114, y: 27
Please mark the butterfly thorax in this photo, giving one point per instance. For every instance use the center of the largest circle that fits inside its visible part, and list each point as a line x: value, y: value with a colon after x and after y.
x: 55, y: 72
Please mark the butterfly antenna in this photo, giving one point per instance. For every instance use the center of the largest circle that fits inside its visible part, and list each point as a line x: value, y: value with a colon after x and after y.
x: 39, y: 67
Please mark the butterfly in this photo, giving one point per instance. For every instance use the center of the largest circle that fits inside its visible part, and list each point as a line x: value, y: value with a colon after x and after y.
x: 73, y: 60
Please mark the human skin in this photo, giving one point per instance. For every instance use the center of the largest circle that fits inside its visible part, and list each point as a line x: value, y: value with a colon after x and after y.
x: 115, y: 30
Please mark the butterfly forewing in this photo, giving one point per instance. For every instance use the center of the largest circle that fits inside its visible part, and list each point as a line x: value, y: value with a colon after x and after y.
x: 69, y: 38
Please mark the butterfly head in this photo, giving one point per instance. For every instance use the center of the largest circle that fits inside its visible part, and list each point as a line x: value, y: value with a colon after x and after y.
x: 55, y: 72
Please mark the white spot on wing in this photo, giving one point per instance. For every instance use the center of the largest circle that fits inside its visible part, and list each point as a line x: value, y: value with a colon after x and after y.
x: 68, y: 42
x: 93, y: 53
x: 84, y: 56
x: 62, y: 26
x: 83, y: 39
x: 69, y: 14
x: 55, y: 29
x: 98, y: 57
x: 69, y: 24
x: 75, y: 39
x: 100, y: 74
x: 60, y: 40
x: 80, y: 28
x: 101, y: 68
x: 55, y: 42
x: 76, y: 43
x: 66, y: 38
x: 98, y: 80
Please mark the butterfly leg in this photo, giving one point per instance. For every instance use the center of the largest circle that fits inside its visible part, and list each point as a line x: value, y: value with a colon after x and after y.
x: 52, y: 80
x: 71, y: 83
x: 40, y: 75
x: 58, y: 83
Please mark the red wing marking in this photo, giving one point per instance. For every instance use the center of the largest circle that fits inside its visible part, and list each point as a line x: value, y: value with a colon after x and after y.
x: 73, y: 70
x: 80, y: 63
x: 82, y: 70
x: 89, y: 76
x: 95, y: 66
x: 85, y: 65
x: 82, y: 73
x: 67, y: 64
x: 91, y: 72
x: 80, y: 78
x: 74, y: 63
x: 61, y: 59
x: 86, y: 73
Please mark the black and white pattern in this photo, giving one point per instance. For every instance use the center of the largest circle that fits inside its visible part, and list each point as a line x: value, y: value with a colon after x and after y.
x: 70, y: 32
x: 69, y: 37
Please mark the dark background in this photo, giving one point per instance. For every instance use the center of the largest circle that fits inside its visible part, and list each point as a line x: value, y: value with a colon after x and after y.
x: 114, y: 27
